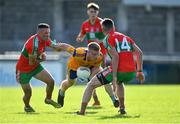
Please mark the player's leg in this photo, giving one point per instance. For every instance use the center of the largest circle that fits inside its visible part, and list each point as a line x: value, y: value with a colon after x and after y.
x: 94, y: 71
x: 96, y: 100
x: 105, y: 77
x: 46, y: 77
x: 122, y: 78
x: 65, y: 84
x: 121, y: 93
x: 26, y: 98
x: 24, y: 79
x: 111, y: 94
x: 93, y: 83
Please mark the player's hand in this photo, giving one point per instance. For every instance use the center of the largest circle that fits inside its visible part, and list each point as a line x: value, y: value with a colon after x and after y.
x: 32, y: 59
x: 42, y: 56
x: 79, y: 39
x: 59, y: 46
x: 140, y: 76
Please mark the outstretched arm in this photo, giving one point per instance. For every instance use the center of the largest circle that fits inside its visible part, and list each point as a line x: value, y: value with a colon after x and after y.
x: 81, y: 34
x: 63, y: 47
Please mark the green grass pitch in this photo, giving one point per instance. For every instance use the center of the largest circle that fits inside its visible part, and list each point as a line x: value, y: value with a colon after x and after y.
x: 144, y: 104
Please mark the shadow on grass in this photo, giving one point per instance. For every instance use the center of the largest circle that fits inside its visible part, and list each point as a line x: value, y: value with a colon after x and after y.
x: 25, y: 113
x: 76, y: 112
x: 177, y: 114
x: 49, y: 112
x: 34, y: 113
x: 119, y: 116
x: 92, y: 107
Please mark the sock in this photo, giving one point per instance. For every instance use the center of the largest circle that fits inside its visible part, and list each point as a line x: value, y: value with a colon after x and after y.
x: 61, y: 93
x: 113, y: 98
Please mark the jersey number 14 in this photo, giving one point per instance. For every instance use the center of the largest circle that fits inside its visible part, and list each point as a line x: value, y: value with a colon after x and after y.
x: 122, y: 46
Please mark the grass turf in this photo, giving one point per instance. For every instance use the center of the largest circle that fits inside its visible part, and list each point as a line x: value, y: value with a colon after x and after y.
x: 144, y: 104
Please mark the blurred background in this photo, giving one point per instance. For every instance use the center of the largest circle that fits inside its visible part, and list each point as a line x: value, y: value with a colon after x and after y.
x: 153, y: 24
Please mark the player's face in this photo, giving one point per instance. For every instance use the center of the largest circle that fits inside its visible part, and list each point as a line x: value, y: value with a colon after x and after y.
x: 92, y: 54
x: 92, y: 13
x: 44, y: 33
x: 105, y: 33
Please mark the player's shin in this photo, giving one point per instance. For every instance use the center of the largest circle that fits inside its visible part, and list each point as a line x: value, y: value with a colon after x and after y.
x: 96, y: 100
x: 120, y: 93
x: 86, y: 97
x: 49, y: 90
x: 111, y: 94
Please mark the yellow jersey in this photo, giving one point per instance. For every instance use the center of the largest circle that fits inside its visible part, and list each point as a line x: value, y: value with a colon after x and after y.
x: 79, y: 58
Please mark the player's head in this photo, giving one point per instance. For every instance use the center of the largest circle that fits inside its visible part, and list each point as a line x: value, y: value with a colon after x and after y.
x: 107, y: 25
x: 93, y: 50
x: 92, y: 10
x: 43, y: 30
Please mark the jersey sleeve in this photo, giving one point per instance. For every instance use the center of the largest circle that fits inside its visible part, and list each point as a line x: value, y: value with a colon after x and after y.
x: 29, y: 46
x: 130, y: 40
x: 79, y: 52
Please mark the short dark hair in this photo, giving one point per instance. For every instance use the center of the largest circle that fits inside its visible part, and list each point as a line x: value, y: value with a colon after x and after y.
x: 107, y: 24
x: 43, y: 25
x: 93, y: 5
x: 94, y: 46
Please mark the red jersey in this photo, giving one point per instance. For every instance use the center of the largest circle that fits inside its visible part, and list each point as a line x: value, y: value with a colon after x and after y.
x: 93, y: 32
x: 123, y: 45
x: 34, y: 45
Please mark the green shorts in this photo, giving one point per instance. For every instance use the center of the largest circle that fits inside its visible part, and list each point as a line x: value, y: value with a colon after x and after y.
x: 24, y: 78
x: 105, y: 76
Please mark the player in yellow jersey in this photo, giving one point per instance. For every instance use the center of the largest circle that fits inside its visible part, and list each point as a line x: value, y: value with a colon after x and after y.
x: 88, y: 57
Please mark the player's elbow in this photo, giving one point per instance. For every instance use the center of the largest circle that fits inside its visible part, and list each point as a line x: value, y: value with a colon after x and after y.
x: 140, y: 53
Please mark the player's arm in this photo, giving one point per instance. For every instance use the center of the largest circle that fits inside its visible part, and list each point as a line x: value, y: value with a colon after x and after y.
x: 97, y: 66
x: 32, y: 52
x: 115, y: 61
x: 81, y: 34
x: 139, y: 57
x: 60, y: 46
x: 55, y: 46
x: 41, y: 57
x: 138, y: 52
x: 94, y: 71
x: 80, y: 37
x: 32, y: 59
x: 64, y: 47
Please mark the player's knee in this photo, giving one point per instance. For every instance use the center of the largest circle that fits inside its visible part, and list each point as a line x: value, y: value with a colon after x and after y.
x: 51, y: 82
x: 71, y: 82
x: 91, y: 84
